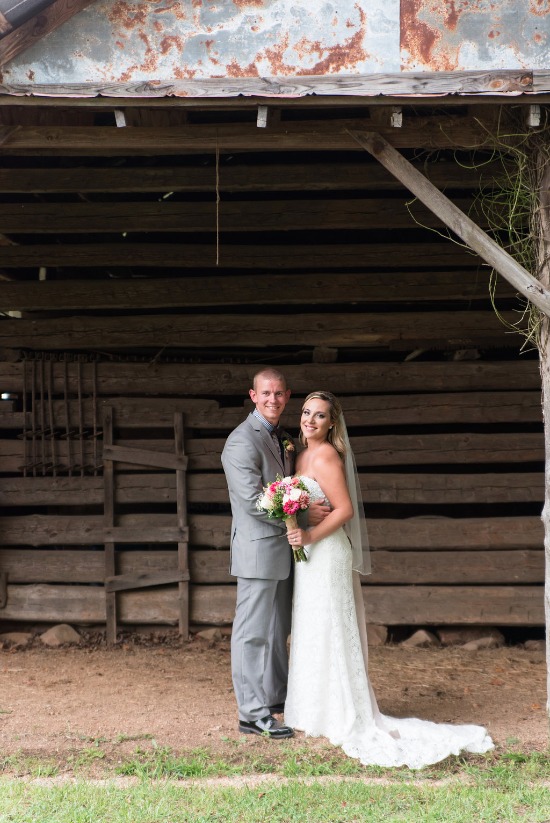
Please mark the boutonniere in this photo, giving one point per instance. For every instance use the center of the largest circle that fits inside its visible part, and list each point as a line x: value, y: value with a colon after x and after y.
x: 288, y: 444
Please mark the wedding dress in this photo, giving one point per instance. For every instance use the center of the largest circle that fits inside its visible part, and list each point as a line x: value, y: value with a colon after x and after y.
x: 329, y: 692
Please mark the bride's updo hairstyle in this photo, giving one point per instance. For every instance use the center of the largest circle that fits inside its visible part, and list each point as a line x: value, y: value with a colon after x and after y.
x: 335, y: 434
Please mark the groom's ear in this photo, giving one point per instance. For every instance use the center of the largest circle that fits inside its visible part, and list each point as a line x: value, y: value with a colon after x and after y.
x: 253, y: 396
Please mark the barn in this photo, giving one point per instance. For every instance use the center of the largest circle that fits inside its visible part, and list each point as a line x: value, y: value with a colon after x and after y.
x: 192, y: 190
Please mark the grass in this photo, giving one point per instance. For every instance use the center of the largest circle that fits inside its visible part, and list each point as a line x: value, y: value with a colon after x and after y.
x: 345, y: 801
x: 283, y: 783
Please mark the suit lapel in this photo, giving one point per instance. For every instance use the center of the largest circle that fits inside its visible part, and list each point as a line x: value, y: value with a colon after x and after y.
x: 269, y: 442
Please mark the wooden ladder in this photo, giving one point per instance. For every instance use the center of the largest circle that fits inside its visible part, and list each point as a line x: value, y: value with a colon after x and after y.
x: 114, y: 534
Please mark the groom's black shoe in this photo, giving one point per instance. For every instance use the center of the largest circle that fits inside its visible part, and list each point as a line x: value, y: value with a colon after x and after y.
x: 268, y: 726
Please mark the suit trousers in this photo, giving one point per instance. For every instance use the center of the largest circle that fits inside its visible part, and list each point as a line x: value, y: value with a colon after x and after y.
x: 259, y: 657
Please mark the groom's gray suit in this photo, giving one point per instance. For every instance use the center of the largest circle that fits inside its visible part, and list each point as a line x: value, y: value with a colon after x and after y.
x: 261, y: 560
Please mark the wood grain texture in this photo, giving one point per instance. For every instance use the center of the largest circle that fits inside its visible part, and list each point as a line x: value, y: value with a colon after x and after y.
x: 213, y: 531
x: 322, y: 289
x: 186, y: 380
x: 215, y: 605
x: 495, y: 83
x: 454, y: 329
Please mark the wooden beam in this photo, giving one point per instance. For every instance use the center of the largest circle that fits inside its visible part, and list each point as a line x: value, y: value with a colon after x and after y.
x: 366, y: 411
x: 400, y: 488
x: 322, y: 289
x: 437, y: 132
x: 236, y: 256
x: 373, y: 450
x: 215, y: 605
x: 481, y: 83
x: 403, y: 331
x: 436, y: 566
x: 189, y: 380
x: 36, y: 27
x: 457, y: 221
x: 250, y: 216
x: 239, y: 175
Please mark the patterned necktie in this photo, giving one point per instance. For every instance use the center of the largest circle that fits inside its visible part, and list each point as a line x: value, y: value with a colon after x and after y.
x: 276, y: 433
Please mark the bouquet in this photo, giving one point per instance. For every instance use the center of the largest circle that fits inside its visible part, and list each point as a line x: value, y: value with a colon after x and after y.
x: 283, y: 499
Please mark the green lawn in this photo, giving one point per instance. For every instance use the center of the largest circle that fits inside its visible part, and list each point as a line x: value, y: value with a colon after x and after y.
x: 157, y: 786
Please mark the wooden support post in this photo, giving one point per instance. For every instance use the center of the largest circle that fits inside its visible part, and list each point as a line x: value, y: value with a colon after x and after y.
x: 181, y: 504
x: 544, y: 354
x: 456, y: 220
x: 109, y: 522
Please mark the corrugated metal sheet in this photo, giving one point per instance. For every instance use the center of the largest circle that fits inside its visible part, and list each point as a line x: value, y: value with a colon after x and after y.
x: 458, y: 35
x: 120, y: 41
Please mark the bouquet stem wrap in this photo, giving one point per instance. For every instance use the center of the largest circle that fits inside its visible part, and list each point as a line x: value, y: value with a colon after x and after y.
x: 291, y: 522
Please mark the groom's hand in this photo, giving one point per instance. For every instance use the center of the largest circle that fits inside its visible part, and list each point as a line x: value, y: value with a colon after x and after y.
x: 317, y: 513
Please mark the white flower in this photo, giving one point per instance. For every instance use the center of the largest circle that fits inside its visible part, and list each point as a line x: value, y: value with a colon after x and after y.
x: 264, y: 502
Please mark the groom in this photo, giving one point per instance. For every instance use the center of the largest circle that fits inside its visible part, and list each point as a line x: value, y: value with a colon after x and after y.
x: 254, y: 454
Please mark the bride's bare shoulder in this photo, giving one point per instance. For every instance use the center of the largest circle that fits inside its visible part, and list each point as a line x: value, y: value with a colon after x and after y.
x: 326, y: 455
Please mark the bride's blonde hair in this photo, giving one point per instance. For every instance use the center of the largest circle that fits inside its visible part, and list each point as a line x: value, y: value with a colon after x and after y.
x: 335, y: 435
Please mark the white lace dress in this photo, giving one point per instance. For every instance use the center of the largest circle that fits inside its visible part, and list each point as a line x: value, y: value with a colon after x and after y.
x: 329, y: 693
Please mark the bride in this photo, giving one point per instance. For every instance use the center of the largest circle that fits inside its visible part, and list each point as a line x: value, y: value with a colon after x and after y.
x: 329, y: 693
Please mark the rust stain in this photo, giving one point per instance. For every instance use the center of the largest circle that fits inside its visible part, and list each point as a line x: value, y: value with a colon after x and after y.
x: 243, y: 4
x: 171, y: 41
x: 127, y: 15
x: 343, y: 56
x: 234, y: 69
x: 417, y: 38
x: 492, y: 34
x: 30, y: 75
x: 540, y: 8
x: 421, y: 39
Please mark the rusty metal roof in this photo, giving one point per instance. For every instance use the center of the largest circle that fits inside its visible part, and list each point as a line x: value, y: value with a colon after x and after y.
x: 190, y: 41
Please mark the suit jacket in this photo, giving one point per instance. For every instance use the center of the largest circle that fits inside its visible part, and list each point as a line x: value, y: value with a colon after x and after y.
x: 251, y: 460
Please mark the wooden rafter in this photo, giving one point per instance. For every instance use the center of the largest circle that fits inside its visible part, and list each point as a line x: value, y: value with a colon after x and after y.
x: 34, y: 28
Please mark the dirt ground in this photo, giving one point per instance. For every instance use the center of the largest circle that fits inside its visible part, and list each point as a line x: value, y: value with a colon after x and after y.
x: 57, y: 701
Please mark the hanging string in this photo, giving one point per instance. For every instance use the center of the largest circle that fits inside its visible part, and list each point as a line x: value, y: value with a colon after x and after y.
x: 217, y: 202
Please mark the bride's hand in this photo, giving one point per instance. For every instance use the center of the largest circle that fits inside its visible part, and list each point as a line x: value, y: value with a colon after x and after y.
x: 298, y: 537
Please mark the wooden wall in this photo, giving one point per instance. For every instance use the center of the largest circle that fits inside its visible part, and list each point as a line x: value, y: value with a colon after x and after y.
x: 154, y: 299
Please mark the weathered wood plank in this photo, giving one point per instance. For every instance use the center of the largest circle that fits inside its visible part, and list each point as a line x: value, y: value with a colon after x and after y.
x: 373, y: 450
x: 399, y: 488
x: 455, y: 329
x: 389, y: 605
x: 143, y: 580
x: 184, y: 379
x: 236, y: 177
x: 377, y: 410
x: 442, y: 131
x: 412, y: 568
x: 323, y: 289
x: 348, y: 88
x: 250, y: 216
x: 154, y: 453
x: 203, y: 255
x: 213, y: 530
x: 212, y: 567
x: 72, y: 565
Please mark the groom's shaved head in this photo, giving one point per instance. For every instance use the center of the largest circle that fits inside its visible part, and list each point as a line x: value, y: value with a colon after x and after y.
x: 268, y: 374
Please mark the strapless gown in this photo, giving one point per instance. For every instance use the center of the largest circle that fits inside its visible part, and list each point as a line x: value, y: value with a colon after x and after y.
x: 329, y: 692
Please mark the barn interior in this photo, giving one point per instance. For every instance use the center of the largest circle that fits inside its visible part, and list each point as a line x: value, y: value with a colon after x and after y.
x: 155, y: 254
